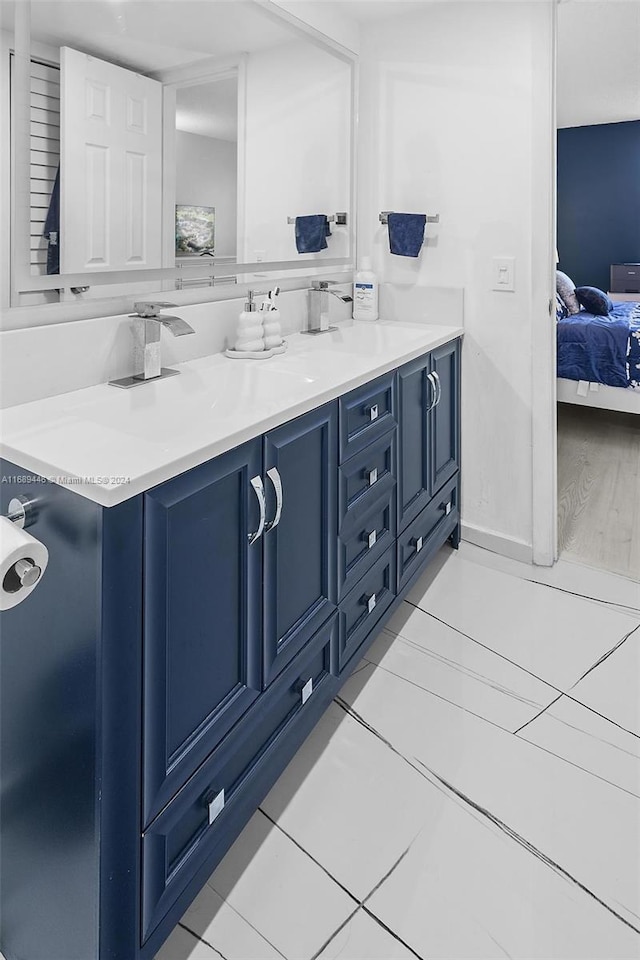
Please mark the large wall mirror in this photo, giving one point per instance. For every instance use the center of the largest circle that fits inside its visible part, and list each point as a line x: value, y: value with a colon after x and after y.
x: 170, y: 145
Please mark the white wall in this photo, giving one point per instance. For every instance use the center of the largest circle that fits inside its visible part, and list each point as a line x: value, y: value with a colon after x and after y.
x: 207, y: 175
x: 451, y: 123
x: 323, y: 15
x: 598, y: 62
x: 298, y: 132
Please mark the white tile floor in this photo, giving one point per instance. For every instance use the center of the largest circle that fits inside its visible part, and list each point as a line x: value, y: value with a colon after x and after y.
x: 474, y: 792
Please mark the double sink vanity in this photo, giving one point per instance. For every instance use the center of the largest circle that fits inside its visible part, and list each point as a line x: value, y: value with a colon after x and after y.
x: 224, y: 545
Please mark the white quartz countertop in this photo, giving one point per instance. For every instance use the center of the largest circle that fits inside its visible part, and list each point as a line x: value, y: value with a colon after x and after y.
x: 109, y: 445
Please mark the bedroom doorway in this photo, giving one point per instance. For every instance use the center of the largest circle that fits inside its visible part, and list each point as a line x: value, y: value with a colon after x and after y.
x: 598, y: 244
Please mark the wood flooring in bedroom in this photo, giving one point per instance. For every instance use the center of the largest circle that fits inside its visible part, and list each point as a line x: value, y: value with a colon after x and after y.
x: 599, y: 488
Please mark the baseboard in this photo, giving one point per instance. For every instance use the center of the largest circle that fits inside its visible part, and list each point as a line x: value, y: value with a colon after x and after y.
x: 498, y: 543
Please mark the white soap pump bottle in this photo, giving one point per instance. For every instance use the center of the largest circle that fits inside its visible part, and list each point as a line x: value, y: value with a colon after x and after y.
x: 365, y: 292
x: 271, y: 321
x: 249, y: 331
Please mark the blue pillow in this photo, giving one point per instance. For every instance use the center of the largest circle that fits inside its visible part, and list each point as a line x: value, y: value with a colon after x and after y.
x: 594, y: 300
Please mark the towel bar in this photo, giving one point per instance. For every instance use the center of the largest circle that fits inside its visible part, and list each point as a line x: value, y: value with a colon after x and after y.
x: 340, y: 219
x: 384, y: 217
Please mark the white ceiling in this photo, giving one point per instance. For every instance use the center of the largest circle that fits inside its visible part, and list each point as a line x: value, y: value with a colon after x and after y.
x: 598, y: 62
x: 150, y: 35
x: 209, y: 109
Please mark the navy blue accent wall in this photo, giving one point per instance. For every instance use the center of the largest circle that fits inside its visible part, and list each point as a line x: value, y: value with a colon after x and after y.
x: 598, y: 200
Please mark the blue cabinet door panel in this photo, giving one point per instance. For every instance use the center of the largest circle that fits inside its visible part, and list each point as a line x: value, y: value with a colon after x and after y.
x: 415, y: 396
x: 445, y: 432
x: 300, y: 578
x: 202, y: 631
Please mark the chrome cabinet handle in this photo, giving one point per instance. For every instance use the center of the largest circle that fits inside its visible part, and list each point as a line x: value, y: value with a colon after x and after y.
x: 434, y: 392
x: 215, y: 805
x: 274, y: 476
x: 439, y: 385
x: 258, y: 486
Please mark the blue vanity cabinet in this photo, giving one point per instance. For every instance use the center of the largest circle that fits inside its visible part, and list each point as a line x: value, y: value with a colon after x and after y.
x: 300, y: 542
x: 210, y: 622
x: 203, y: 616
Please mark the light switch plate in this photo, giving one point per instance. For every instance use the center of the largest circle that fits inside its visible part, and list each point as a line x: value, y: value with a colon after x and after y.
x: 504, y: 273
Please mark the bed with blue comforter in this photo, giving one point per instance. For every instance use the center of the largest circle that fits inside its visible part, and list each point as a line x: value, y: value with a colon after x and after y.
x: 601, y: 349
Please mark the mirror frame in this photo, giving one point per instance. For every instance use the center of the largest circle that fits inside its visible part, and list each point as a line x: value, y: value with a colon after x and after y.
x: 14, y: 314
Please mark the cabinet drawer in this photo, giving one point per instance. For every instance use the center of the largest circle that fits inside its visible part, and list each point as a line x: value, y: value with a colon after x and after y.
x: 216, y: 802
x: 365, y: 535
x: 414, y: 544
x: 366, y: 414
x: 367, y: 477
x: 361, y: 610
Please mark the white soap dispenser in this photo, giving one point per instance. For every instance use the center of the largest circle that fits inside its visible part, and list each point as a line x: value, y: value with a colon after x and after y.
x: 365, y: 292
x: 249, y: 331
x: 271, y: 321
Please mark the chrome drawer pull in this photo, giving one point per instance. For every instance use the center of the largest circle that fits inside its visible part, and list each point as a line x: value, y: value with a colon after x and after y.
x: 274, y: 476
x: 216, y: 806
x: 371, y: 538
x: 439, y: 386
x: 371, y: 603
x: 372, y: 476
x: 258, y: 486
x: 446, y: 507
x: 307, y: 690
x: 373, y: 412
x: 434, y: 392
x: 418, y: 544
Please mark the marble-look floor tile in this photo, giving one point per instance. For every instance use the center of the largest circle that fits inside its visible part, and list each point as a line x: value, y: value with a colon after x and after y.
x: 588, y: 826
x: 280, y: 891
x: 569, y: 730
x: 217, y: 923
x: 468, y: 889
x: 363, y: 938
x: 447, y: 663
x: 608, y: 588
x: 554, y: 635
x: 353, y: 805
x: 182, y: 945
x: 612, y: 688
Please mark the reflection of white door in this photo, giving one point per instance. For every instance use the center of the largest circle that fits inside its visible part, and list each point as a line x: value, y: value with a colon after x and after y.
x: 110, y: 166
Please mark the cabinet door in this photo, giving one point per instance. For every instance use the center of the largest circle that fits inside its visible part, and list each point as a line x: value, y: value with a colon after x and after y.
x: 445, y: 416
x: 415, y: 396
x: 301, y: 542
x: 202, y: 631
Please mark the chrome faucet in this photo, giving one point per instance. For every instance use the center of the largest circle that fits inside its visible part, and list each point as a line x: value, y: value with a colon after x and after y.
x: 319, y: 306
x: 147, y: 327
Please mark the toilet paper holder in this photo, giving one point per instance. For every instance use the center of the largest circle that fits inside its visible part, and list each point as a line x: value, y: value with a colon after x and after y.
x: 23, y: 511
x: 25, y: 572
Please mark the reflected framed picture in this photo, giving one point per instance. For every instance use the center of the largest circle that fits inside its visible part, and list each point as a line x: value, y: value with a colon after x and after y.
x: 195, y: 230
